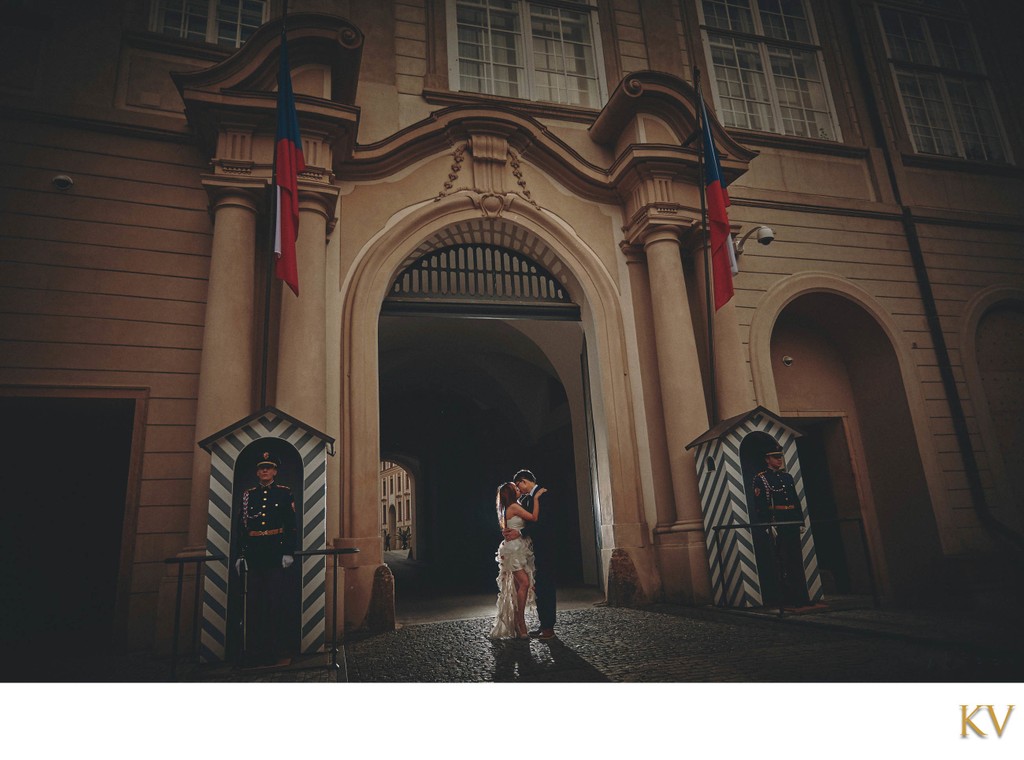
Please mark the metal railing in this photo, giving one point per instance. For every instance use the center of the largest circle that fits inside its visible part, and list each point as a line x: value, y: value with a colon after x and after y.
x: 197, y: 611
x: 333, y: 665
x: 778, y: 564
x: 864, y: 544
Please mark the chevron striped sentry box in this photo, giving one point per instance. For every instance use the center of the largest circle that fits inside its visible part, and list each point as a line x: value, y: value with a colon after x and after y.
x: 312, y: 448
x: 719, y: 456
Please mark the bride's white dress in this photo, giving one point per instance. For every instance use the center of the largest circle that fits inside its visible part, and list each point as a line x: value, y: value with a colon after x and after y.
x: 511, y: 556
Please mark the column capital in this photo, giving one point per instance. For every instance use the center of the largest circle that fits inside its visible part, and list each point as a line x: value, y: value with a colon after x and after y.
x: 657, y: 222
x: 320, y: 199
x: 230, y: 191
x: 662, y: 233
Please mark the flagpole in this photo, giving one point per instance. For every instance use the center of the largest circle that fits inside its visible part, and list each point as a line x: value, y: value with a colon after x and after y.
x: 268, y: 291
x: 709, y: 303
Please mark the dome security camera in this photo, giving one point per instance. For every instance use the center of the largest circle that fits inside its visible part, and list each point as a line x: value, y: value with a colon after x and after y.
x: 765, y: 236
x: 63, y: 182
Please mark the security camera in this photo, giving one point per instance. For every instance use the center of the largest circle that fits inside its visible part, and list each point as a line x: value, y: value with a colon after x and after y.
x: 764, y: 234
x: 62, y: 182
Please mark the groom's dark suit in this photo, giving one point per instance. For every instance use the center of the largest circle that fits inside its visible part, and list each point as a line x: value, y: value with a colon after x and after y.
x: 544, y: 548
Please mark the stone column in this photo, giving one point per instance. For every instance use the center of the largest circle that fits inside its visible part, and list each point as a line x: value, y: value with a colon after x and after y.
x: 302, y: 343
x: 732, y: 373
x: 681, y: 547
x: 682, y: 386
x: 225, y: 371
x: 733, y: 385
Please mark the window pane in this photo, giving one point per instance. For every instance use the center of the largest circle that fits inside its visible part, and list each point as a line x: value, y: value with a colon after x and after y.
x: 496, y: 56
x: 801, y: 93
x: 490, y: 47
x: 947, y: 114
x: 742, y: 84
x: 183, y: 18
x: 929, y: 122
x: 976, y: 119
x: 237, y: 20
x: 563, y: 56
x: 906, y: 37
x: 953, y: 45
x: 734, y: 15
x: 785, y: 20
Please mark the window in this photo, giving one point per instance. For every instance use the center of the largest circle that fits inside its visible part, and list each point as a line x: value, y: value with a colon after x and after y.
x: 530, y: 50
x: 769, y: 74
x: 941, y: 82
x: 221, y: 22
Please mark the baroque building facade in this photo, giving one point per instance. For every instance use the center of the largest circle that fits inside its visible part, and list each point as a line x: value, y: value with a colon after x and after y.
x: 501, y: 265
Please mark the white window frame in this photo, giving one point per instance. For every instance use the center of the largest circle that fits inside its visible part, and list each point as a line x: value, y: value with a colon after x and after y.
x: 762, y: 41
x: 212, y: 25
x: 588, y: 7
x: 944, y: 77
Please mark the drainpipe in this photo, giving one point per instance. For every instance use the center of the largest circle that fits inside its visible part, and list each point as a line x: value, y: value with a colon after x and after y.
x: 1002, y: 533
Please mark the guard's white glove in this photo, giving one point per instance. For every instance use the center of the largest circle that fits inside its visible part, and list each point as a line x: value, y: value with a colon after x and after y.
x: 240, y: 565
x: 286, y: 561
x: 773, y: 532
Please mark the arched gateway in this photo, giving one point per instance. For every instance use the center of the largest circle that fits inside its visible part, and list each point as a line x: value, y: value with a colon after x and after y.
x: 550, y: 347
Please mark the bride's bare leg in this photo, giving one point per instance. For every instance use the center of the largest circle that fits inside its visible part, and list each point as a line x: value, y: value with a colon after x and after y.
x: 522, y: 591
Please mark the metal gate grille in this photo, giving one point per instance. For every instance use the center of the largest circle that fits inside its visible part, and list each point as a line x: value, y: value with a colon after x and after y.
x: 475, y: 278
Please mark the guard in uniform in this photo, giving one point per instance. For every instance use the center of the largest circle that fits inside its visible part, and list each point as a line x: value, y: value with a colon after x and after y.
x: 776, y: 501
x: 267, y: 541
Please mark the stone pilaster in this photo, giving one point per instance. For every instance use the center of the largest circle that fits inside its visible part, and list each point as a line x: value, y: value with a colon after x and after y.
x: 302, y: 344
x: 225, y: 372
x: 682, y: 387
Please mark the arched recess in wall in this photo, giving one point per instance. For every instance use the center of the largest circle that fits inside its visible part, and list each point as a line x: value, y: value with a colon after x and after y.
x: 992, y: 351
x: 850, y: 364
x: 590, y: 285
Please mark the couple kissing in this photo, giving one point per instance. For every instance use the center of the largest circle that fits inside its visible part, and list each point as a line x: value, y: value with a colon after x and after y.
x: 525, y: 560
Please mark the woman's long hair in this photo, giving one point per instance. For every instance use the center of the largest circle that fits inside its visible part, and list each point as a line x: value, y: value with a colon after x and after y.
x: 507, y: 495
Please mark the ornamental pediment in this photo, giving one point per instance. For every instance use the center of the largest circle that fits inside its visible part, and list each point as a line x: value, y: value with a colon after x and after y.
x: 652, y: 112
x: 239, y: 94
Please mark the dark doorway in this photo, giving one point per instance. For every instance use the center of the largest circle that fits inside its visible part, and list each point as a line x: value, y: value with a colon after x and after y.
x: 833, y: 505
x: 67, y: 462
x: 472, y: 401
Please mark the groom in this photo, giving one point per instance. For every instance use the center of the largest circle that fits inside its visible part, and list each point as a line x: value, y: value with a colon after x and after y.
x: 543, y: 554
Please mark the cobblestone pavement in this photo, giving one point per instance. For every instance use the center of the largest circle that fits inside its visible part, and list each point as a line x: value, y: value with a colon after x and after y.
x: 678, y: 644
x: 661, y: 643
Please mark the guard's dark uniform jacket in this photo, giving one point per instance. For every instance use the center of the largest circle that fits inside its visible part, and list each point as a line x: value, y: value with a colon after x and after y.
x: 268, y: 525
x: 776, y: 496
x: 776, y: 501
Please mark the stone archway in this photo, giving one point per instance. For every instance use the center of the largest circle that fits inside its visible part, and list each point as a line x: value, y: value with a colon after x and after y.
x: 536, y: 233
x: 828, y: 356
x: 991, y: 368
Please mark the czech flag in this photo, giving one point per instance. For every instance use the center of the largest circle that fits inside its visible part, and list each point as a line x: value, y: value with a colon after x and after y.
x: 288, y: 164
x: 723, y: 254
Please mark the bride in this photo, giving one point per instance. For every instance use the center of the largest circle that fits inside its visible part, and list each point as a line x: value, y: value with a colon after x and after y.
x: 515, y: 564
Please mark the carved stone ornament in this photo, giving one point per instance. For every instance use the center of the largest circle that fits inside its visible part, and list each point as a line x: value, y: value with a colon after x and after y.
x: 492, y: 205
x: 458, y: 157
